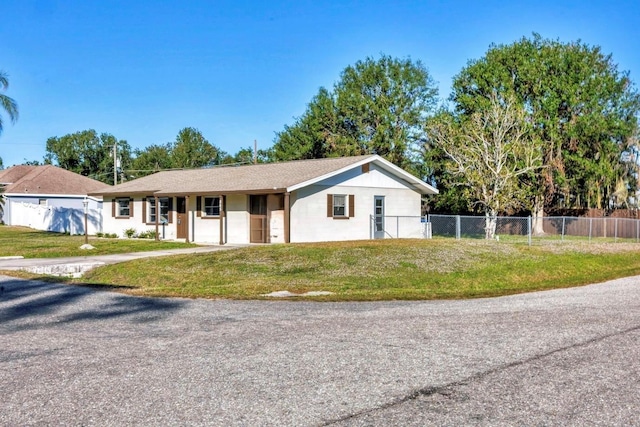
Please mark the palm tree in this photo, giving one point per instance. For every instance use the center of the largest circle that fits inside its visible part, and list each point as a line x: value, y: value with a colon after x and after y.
x: 8, y: 104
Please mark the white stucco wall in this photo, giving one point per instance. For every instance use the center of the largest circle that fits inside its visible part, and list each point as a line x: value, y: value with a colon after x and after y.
x: 237, y: 219
x: 202, y: 229
x: 117, y: 225
x: 309, y: 221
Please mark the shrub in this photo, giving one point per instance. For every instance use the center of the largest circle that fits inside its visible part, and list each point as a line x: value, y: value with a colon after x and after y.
x: 129, y: 232
x: 148, y: 234
x: 99, y: 234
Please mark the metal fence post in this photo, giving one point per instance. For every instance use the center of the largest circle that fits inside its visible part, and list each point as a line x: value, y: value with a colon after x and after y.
x: 562, y: 235
x: 529, y: 229
x: 457, y: 227
x: 370, y: 227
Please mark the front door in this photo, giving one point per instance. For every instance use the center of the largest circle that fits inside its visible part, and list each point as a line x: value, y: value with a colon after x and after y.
x: 181, y: 218
x: 378, y: 217
x: 258, y: 219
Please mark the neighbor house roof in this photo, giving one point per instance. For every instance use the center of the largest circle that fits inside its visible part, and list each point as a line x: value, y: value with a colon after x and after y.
x: 47, y: 179
x: 13, y: 174
x: 259, y: 178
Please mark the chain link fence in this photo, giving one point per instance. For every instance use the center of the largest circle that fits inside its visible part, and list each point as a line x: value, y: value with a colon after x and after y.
x: 522, y: 229
x: 399, y: 227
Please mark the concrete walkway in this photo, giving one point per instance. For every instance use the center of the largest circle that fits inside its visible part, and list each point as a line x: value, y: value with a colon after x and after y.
x: 75, y: 266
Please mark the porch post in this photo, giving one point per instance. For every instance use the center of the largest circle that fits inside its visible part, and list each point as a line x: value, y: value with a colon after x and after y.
x: 287, y: 217
x: 186, y: 216
x: 156, y: 201
x: 223, y: 207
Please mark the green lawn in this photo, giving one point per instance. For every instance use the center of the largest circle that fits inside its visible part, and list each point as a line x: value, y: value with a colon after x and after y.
x: 374, y: 270
x: 29, y: 243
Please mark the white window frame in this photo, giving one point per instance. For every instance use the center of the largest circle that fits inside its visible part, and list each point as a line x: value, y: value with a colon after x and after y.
x: 121, y: 208
x: 209, y: 209
x: 340, y: 202
x: 164, y: 210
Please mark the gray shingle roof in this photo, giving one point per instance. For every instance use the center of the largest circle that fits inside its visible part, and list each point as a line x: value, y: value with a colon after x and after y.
x: 47, y: 179
x: 260, y: 178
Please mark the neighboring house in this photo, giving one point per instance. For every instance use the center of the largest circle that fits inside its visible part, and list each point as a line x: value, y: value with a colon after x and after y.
x: 345, y: 198
x: 50, y: 198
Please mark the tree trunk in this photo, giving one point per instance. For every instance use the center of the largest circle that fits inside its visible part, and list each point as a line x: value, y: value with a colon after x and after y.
x: 538, y: 214
x: 491, y: 222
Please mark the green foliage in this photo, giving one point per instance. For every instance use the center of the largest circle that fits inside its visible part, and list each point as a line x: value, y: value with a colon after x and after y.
x: 7, y: 104
x: 129, y: 232
x: 244, y: 156
x: 192, y: 150
x: 88, y: 154
x: 152, y: 159
x: 582, y: 109
x: 377, y: 107
x: 147, y: 234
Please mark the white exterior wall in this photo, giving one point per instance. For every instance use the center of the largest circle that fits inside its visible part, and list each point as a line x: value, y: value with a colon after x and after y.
x: 202, y: 229
x: 309, y: 221
x: 237, y: 218
x: 117, y: 225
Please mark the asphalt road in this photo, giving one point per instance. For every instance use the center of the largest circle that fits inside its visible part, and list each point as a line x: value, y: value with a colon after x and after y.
x: 78, y: 356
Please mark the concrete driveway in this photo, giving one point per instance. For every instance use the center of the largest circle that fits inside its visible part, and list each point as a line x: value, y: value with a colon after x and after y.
x: 78, y: 356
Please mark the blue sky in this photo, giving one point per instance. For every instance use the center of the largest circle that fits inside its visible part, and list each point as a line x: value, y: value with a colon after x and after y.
x: 240, y: 70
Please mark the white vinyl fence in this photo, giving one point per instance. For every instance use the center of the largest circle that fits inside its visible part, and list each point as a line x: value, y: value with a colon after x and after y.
x: 60, y: 220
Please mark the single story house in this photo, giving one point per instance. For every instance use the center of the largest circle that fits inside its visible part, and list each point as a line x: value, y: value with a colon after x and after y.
x: 344, y: 198
x: 50, y: 198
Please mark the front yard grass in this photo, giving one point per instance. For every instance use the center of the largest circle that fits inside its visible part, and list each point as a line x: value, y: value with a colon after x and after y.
x: 29, y: 243
x: 373, y: 270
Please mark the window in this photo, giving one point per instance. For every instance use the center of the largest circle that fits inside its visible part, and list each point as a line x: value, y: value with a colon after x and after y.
x: 339, y: 204
x: 211, y: 206
x: 123, y: 207
x: 165, y: 208
x: 42, y: 202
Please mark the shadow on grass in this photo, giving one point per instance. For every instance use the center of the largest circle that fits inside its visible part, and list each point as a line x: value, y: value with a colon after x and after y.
x: 31, y: 304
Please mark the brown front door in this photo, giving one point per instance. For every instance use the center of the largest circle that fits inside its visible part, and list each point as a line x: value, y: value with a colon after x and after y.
x: 258, y: 219
x: 181, y: 218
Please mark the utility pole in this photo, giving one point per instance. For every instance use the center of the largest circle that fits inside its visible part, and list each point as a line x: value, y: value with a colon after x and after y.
x: 115, y: 164
x: 255, y: 151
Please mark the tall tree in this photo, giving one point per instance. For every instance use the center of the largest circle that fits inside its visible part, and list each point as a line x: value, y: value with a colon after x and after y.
x: 581, y: 107
x: 377, y: 107
x: 490, y: 151
x: 192, y: 150
x: 152, y: 159
x: 89, y: 154
x: 8, y: 104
